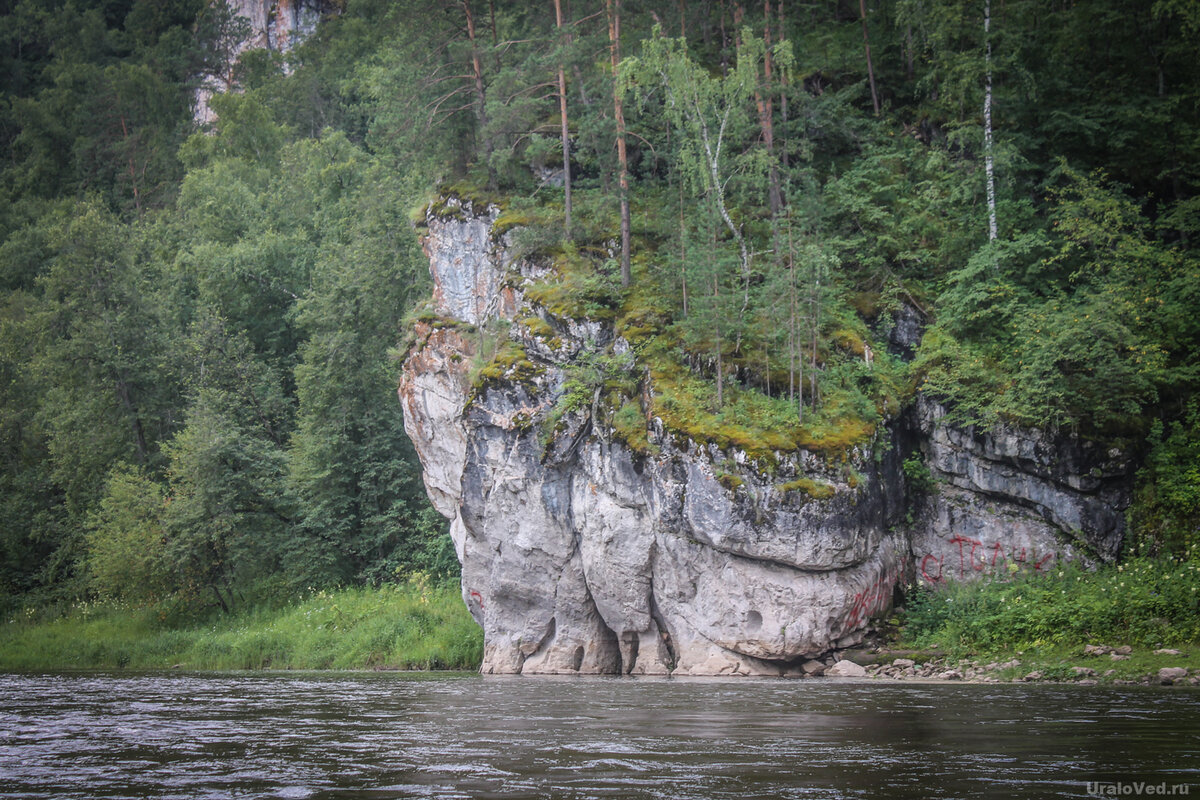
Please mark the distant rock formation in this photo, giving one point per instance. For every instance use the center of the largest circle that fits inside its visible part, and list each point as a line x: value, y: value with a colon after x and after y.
x: 581, y: 555
x: 276, y: 25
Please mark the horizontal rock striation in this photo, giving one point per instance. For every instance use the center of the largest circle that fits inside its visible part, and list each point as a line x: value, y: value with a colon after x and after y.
x: 581, y: 554
x: 1010, y: 499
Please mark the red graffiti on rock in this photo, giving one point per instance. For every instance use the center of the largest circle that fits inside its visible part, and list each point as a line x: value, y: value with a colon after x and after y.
x: 876, y: 598
x: 975, y: 556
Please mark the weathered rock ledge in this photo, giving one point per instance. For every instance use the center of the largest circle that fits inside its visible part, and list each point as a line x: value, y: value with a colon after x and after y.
x: 581, y: 555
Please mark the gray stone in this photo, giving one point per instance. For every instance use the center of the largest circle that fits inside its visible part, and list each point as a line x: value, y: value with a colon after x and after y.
x: 276, y: 25
x: 846, y: 669
x: 1011, y: 500
x: 1170, y: 675
x: 464, y: 264
x: 1167, y: 651
x: 908, y: 326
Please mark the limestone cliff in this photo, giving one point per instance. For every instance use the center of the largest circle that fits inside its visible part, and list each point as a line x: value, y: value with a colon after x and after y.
x: 1013, y: 498
x: 582, y: 554
x: 276, y: 25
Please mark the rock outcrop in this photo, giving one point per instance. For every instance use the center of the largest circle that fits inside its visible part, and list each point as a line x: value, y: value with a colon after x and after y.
x: 583, y: 554
x: 1011, y: 499
x: 276, y: 25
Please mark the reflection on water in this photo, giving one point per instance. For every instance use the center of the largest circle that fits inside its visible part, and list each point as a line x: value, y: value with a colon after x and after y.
x: 387, y: 735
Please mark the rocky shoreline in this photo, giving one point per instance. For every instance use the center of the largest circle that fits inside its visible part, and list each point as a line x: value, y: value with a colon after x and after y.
x: 1093, y: 665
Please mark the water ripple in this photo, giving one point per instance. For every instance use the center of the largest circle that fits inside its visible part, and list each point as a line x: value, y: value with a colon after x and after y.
x: 388, y: 736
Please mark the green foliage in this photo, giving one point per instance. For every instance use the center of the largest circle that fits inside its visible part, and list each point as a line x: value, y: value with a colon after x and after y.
x: 903, y: 201
x: 415, y: 624
x: 351, y: 468
x: 916, y: 471
x: 97, y: 98
x: 124, y: 538
x: 629, y: 425
x: 578, y: 288
x: 1142, y: 602
x: 1165, y: 516
x: 1071, y: 330
x: 595, y: 371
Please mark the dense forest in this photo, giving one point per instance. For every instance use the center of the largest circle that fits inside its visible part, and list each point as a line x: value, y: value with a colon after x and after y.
x: 201, y: 324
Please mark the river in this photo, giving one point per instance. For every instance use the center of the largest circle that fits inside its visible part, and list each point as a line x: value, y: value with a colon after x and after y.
x: 383, y: 735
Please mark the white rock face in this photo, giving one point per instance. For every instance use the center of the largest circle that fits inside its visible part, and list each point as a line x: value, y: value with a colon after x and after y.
x: 466, y: 267
x: 274, y: 25
x: 582, y: 556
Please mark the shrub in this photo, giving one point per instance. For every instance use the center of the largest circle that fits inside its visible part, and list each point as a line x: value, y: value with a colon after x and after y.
x: 1144, y: 601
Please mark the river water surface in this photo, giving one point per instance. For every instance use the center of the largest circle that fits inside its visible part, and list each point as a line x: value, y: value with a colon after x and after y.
x: 337, y: 735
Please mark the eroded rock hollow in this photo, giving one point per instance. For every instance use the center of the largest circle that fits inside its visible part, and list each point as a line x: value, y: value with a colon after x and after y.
x: 581, y: 555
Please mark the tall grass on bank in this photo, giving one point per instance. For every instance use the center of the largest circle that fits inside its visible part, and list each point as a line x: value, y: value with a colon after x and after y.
x: 1143, y: 601
x: 410, y: 626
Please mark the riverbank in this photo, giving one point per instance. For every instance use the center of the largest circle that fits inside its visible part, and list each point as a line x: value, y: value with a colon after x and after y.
x: 1137, y: 622
x: 1089, y: 665
x: 415, y: 625
x: 1117, y: 625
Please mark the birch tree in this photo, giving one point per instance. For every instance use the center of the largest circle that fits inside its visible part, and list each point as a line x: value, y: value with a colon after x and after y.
x: 862, y: 10
x: 706, y: 111
x: 987, y: 121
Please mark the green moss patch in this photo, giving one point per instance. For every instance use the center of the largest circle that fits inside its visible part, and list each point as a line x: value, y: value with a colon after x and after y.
x: 510, y: 364
x: 818, y: 490
x: 576, y: 289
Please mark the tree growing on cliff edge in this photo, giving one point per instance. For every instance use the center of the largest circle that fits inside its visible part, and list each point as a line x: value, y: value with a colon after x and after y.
x: 614, y: 39
x: 710, y: 116
x: 566, y: 128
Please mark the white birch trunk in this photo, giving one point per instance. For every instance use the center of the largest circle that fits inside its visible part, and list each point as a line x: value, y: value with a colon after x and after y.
x: 988, y: 164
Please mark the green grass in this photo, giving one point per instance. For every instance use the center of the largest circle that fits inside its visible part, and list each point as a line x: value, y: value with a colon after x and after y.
x: 1143, y: 602
x: 410, y: 626
x: 1056, y: 662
